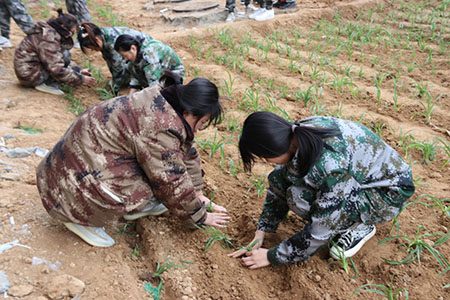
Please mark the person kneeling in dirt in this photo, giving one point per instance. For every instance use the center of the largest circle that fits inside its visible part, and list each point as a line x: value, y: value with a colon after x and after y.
x: 94, y: 38
x: 337, y: 175
x: 43, y: 61
x: 132, y: 156
x: 148, y: 59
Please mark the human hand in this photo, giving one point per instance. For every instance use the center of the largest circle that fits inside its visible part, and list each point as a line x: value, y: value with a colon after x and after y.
x: 208, y: 202
x: 256, y: 259
x: 86, y: 72
x: 256, y: 243
x: 88, y: 80
x: 218, y: 220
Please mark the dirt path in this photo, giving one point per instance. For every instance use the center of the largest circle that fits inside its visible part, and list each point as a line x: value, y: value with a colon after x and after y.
x: 122, y: 271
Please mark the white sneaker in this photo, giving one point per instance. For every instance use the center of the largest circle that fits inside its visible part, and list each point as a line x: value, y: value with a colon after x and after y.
x: 5, y: 43
x: 267, y: 14
x: 352, y: 240
x: 257, y: 13
x: 231, y: 17
x: 252, y: 7
x: 94, y: 236
x: 49, y: 89
x: 151, y: 209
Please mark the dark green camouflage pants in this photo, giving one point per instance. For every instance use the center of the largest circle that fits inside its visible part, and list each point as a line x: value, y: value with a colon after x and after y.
x: 79, y: 9
x: 16, y: 10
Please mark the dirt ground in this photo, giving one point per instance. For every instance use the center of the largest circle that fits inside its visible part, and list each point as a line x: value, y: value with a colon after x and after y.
x: 121, y: 272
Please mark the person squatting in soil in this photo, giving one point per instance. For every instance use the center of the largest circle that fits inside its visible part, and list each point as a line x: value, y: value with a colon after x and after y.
x: 337, y: 175
x: 133, y: 156
x: 16, y: 10
x: 90, y: 36
x: 42, y: 60
x: 148, y: 59
x: 79, y: 9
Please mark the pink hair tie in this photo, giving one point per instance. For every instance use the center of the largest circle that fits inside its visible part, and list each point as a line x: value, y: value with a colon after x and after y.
x: 293, y: 128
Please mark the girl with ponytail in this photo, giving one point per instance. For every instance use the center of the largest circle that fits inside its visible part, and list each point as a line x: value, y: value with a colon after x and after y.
x: 337, y: 175
x: 43, y: 61
x: 131, y: 157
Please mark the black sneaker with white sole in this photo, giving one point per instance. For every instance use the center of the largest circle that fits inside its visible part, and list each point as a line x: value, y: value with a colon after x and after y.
x: 352, y: 240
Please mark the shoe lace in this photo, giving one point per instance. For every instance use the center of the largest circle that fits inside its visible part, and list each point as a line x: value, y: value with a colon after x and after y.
x: 346, y: 240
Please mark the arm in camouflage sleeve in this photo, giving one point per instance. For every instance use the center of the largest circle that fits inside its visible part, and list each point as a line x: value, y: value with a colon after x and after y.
x: 51, y: 57
x: 275, y: 205
x: 331, y: 212
x: 194, y: 168
x: 118, y: 68
x: 162, y: 162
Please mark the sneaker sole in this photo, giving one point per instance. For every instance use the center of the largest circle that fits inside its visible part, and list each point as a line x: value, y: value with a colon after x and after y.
x: 85, y: 234
x: 144, y: 214
x: 349, y: 253
x: 48, y: 92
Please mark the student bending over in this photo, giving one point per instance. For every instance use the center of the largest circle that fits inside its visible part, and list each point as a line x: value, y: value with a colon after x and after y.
x: 337, y: 175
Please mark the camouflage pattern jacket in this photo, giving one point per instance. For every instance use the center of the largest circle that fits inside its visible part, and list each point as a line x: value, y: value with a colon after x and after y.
x: 360, y: 179
x: 42, y: 50
x: 127, y: 148
x: 116, y: 63
x: 154, y: 56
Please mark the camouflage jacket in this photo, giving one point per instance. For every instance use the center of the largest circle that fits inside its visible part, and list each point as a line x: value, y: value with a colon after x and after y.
x: 360, y: 179
x: 42, y: 49
x: 153, y: 58
x: 116, y: 63
x: 135, y: 148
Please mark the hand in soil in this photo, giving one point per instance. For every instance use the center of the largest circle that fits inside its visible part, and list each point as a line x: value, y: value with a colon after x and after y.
x: 214, y: 206
x: 218, y: 220
x: 88, y: 80
x: 86, y: 72
x: 256, y: 259
x: 256, y: 243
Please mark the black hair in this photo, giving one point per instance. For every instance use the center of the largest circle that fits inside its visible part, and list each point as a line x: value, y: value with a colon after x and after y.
x: 125, y: 41
x: 87, y: 34
x: 63, y: 23
x: 199, y: 97
x: 267, y: 135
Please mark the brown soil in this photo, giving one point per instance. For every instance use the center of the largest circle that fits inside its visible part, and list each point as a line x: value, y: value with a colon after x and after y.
x: 114, y: 273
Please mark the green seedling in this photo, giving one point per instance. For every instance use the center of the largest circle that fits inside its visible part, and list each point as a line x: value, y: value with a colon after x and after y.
x: 134, y: 255
x: 387, y: 292
x: 155, y: 292
x: 213, y: 145
x: 446, y: 148
x: 344, y: 261
x: 428, y: 149
x: 127, y: 228
x: 215, y: 235
x: 429, y: 106
x: 228, y: 85
x: 31, y: 129
x: 249, y: 248
x: 443, y: 204
x: 417, y: 245
x: 259, y: 184
x: 167, y: 265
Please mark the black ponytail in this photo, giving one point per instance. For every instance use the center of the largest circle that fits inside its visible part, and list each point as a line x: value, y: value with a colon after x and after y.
x: 199, y: 97
x: 267, y: 135
x: 63, y: 23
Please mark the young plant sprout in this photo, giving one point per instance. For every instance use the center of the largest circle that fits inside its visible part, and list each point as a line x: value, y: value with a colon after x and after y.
x: 388, y: 292
x: 344, y: 261
x: 249, y: 248
x: 416, y: 246
x: 167, y: 265
x: 215, y: 235
x: 155, y: 292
